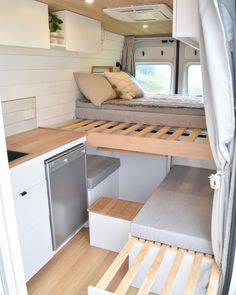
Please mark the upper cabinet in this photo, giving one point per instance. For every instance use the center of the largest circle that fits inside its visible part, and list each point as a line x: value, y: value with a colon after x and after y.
x: 186, y: 21
x: 80, y: 33
x: 24, y: 23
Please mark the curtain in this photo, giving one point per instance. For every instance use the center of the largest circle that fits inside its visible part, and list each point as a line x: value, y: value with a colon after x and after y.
x: 228, y: 14
x: 127, y: 60
x: 219, y: 108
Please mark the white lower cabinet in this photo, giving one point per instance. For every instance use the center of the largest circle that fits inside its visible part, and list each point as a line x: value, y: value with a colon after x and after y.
x: 32, y: 214
x: 29, y: 188
x: 31, y: 207
x: 36, y: 247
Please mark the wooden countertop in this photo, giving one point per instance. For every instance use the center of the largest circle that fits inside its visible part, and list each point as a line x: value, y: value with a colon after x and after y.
x: 117, y: 208
x: 39, y: 141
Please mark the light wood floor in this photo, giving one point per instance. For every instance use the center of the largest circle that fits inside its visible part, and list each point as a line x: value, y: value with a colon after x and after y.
x: 74, y: 268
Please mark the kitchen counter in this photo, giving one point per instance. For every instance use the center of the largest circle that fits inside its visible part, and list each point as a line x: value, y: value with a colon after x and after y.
x: 39, y: 141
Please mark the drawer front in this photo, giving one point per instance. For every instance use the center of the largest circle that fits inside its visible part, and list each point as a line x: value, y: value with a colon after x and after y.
x: 26, y: 175
x: 36, y: 248
x: 31, y: 207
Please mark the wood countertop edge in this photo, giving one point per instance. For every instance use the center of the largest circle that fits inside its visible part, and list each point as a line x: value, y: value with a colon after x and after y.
x: 11, y: 143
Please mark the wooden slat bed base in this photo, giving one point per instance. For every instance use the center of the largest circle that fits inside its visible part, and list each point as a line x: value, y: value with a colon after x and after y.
x: 193, y: 276
x: 143, y: 138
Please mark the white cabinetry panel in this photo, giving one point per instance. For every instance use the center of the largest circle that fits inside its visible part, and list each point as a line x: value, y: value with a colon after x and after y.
x: 24, y: 23
x: 36, y: 248
x: 26, y: 175
x: 81, y: 33
x: 186, y: 21
x: 31, y: 207
x: 32, y: 214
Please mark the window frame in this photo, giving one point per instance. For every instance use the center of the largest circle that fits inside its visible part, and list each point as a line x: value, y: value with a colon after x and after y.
x: 160, y: 63
x: 186, y: 72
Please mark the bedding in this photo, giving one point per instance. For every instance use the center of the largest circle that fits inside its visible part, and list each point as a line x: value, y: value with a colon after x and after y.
x: 177, y: 110
x: 95, y: 87
x: 179, y: 212
x: 124, y: 85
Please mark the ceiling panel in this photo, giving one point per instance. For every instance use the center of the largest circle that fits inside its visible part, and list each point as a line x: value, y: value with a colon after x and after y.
x: 95, y: 11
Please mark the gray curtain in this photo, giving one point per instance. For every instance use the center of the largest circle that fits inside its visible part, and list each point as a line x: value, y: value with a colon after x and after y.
x: 127, y: 60
x: 219, y: 108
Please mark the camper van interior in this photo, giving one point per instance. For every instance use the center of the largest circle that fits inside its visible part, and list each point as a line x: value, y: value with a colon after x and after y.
x: 117, y: 139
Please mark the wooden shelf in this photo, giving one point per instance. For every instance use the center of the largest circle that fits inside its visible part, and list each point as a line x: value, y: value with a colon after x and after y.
x: 55, y: 45
x: 142, y: 138
x: 56, y: 37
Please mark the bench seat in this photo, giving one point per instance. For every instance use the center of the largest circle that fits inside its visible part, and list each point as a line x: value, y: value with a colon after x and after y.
x: 179, y: 212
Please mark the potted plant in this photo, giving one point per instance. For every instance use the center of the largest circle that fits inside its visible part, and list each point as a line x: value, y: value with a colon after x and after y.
x: 54, y: 26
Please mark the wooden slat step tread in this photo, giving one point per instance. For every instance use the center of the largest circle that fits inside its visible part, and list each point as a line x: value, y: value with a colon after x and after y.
x: 162, y: 251
x: 115, y: 266
x: 193, y: 135
x: 143, y: 138
x: 76, y: 126
x: 150, y: 278
x: 118, y: 127
x: 91, y: 125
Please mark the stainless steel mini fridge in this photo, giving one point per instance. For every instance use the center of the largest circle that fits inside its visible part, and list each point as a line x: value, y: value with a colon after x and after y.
x: 67, y: 193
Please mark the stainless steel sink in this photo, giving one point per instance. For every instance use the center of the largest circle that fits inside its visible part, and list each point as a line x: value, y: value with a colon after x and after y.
x: 14, y: 155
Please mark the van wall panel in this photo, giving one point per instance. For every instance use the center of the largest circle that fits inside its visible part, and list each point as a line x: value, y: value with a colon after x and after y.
x: 48, y: 76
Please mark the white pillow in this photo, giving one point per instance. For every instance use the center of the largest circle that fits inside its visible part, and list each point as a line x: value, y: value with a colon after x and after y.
x: 124, y: 85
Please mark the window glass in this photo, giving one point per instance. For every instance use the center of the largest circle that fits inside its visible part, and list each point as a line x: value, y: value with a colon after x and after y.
x: 154, y: 78
x: 194, y: 80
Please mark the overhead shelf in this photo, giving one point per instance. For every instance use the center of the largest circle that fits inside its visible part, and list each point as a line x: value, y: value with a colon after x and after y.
x: 55, y: 45
x: 143, y: 138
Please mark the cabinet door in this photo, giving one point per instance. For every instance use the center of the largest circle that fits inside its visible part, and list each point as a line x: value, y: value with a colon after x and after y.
x: 27, y: 175
x: 31, y: 207
x: 186, y: 21
x: 32, y: 214
x: 82, y: 34
x: 36, y: 247
x: 24, y: 23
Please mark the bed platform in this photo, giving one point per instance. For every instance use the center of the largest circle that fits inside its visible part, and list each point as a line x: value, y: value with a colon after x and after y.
x: 143, y: 138
x: 175, y: 110
x: 181, y: 278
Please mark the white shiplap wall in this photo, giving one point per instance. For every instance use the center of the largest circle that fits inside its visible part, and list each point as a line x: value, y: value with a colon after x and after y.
x: 48, y: 76
x: 19, y: 115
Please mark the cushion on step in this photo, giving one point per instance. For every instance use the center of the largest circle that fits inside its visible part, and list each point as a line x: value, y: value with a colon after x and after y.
x: 99, y: 168
x: 179, y: 212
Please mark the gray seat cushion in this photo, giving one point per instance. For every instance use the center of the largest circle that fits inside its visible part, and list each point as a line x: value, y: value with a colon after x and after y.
x: 179, y: 212
x: 99, y: 168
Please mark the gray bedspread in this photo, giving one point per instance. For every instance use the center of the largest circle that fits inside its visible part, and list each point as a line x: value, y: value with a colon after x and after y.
x: 153, y: 101
x: 176, y: 110
x: 150, y: 101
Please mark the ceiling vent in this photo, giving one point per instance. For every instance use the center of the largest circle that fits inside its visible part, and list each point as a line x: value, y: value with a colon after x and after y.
x: 141, y: 13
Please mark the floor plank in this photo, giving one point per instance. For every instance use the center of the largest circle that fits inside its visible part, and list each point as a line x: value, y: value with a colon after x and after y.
x: 74, y: 268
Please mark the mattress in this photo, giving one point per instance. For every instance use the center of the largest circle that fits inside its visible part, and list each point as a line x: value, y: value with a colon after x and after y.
x: 184, y: 111
x: 179, y: 212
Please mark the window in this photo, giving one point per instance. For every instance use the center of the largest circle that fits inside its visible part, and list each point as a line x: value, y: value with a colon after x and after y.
x: 194, y: 80
x: 154, y: 78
